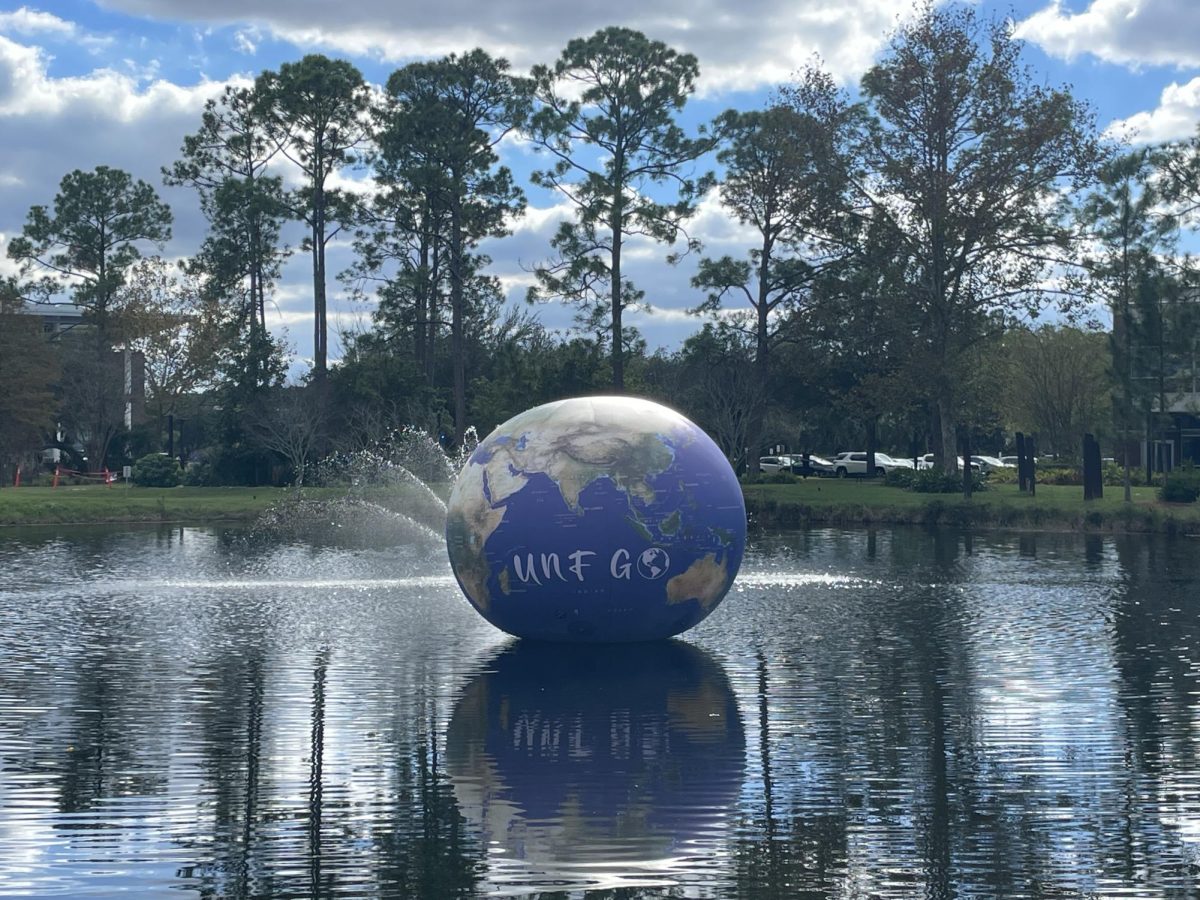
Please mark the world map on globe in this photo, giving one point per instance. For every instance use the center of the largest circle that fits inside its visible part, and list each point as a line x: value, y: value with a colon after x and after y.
x: 596, y: 519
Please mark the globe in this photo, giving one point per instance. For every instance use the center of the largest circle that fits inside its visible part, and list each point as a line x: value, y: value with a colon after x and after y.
x: 596, y: 519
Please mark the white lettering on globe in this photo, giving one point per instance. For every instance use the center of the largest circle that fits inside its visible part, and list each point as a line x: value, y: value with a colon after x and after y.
x: 539, y: 568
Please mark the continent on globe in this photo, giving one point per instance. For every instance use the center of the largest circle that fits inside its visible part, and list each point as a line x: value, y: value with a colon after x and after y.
x: 596, y: 519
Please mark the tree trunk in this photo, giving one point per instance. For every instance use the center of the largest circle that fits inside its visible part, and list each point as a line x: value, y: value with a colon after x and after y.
x: 618, y: 358
x: 949, y: 435
x: 872, y: 441
x: 435, y: 276
x: 421, y: 326
x: 617, y: 224
x: 457, y: 301
x: 318, y: 239
x: 762, y: 360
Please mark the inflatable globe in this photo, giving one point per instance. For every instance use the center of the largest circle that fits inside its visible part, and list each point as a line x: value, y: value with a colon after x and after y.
x: 582, y: 765
x: 596, y: 519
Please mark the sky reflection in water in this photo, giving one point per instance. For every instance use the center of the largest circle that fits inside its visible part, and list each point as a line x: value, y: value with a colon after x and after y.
x: 891, y: 713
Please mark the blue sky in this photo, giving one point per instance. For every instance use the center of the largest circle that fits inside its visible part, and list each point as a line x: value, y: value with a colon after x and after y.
x: 121, y: 82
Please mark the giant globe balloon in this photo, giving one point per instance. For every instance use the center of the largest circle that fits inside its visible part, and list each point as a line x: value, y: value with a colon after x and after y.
x: 596, y: 519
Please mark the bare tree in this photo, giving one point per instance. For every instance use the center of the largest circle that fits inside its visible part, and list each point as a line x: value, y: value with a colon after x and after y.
x: 291, y: 422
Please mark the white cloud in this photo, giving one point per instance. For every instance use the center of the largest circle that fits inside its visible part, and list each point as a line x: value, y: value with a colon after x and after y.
x: 101, y: 96
x: 742, y: 46
x: 246, y: 40
x: 1175, y: 117
x: 26, y: 21
x: 52, y: 126
x: 1126, y: 32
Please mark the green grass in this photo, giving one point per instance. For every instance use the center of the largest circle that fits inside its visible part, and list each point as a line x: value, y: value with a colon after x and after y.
x: 811, y: 502
x: 1055, y: 507
x: 122, y: 503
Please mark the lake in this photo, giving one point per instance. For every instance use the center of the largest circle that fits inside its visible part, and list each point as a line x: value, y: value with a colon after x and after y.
x: 889, y: 713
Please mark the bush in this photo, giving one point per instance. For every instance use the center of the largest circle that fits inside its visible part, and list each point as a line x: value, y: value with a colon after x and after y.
x: 1059, y: 475
x: 1003, y: 476
x: 935, y: 481
x: 156, y: 470
x: 770, y: 478
x: 899, y: 478
x: 1183, y: 486
x: 198, y: 474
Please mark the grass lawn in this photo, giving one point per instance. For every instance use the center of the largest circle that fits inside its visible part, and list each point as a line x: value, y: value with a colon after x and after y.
x: 123, y: 503
x: 1055, y: 506
x: 812, y: 502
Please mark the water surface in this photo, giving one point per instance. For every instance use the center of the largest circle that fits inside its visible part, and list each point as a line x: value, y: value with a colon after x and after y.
x: 895, y: 713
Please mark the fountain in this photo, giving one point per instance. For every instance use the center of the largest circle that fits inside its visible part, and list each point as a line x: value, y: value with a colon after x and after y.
x: 386, y: 495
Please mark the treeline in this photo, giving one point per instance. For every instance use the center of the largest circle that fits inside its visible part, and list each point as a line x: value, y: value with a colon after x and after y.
x: 901, y: 246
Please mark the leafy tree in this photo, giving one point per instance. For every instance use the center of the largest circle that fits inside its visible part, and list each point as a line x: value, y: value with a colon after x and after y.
x: 718, y: 386
x: 1122, y: 268
x: 441, y: 125
x: 28, y: 372
x: 315, y: 110
x: 90, y: 239
x: 227, y: 162
x: 1058, y: 385
x: 968, y: 158
x: 786, y: 178
x: 606, y: 114
x: 171, y: 323
x: 862, y: 330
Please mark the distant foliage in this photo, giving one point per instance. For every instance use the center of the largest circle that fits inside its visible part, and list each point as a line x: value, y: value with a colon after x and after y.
x: 156, y: 470
x: 770, y: 478
x: 935, y: 481
x: 1182, y: 486
x: 1002, y: 476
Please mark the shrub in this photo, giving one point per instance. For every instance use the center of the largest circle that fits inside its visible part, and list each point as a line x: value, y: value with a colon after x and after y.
x: 769, y: 478
x: 1059, y: 475
x: 899, y: 477
x: 156, y: 470
x: 1002, y: 476
x: 1182, y: 486
x: 198, y: 474
x: 935, y: 481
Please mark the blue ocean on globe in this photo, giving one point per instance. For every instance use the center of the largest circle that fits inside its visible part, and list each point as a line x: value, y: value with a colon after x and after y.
x: 596, y: 519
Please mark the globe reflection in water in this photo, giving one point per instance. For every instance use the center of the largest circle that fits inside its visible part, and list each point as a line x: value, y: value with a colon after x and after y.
x: 596, y: 765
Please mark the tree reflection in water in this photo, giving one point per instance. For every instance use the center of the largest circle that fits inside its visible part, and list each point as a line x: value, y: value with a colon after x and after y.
x: 895, y: 713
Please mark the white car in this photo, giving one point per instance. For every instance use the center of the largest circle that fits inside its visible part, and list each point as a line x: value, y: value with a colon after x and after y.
x: 774, y: 464
x: 853, y: 462
x: 987, y: 463
x: 926, y: 462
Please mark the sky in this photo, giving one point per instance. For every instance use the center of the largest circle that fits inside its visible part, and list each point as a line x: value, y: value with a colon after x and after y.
x: 120, y: 82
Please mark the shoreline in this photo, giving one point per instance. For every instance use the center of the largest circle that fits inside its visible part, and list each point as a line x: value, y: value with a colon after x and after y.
x: 1001, y: 508
x: 803, y: 504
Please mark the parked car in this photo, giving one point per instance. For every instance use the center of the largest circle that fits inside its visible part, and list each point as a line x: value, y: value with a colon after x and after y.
x: 770, y: 464
x: 926, y: 462
x: 987, y: 463
x: 817, y: 465
x: 1012, y: 461
x: 853, y: 462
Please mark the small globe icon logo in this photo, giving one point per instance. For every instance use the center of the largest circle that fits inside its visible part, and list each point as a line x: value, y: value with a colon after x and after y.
x: 653, y: 563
